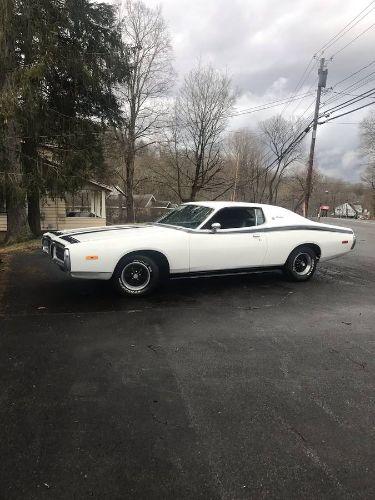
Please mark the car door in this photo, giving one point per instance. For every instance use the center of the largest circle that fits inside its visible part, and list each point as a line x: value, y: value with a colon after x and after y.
x: 235, y: 245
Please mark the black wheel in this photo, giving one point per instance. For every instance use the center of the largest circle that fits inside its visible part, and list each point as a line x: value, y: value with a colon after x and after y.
x: 136, y: 275
x: 301, y: 264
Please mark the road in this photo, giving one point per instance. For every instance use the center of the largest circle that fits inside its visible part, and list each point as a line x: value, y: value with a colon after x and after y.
x: 230, y: 388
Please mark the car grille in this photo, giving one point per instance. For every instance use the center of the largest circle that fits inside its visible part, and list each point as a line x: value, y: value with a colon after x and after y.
x: 59, y: 252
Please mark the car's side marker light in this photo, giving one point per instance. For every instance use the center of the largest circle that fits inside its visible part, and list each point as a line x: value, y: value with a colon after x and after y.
x: 344, y: 241
x: 92, y: 257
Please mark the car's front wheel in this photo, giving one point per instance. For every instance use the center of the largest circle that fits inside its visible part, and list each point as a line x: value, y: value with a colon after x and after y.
x: 136, y: 275
x: 301, y: 264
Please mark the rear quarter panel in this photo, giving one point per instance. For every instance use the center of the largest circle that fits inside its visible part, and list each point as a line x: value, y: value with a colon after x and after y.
x: 282, y: 242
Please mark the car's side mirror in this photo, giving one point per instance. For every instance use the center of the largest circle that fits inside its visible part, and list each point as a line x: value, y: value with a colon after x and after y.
x: 215, y: 227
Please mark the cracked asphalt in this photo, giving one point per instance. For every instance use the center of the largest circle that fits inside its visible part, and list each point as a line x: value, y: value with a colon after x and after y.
x: 222, y: 388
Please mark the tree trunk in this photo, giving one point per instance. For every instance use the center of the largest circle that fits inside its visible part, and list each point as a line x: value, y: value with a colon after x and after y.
x: 30, y: 166
x: 33, y: 210
x: 130, y: 216
x: 15, y: 196
x: 16, y: 215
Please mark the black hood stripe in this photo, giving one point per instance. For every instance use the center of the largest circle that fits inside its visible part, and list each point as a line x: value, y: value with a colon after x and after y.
x: 105, y: 229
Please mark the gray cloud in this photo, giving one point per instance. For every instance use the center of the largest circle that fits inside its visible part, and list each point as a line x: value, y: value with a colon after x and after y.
x: 265, y: 46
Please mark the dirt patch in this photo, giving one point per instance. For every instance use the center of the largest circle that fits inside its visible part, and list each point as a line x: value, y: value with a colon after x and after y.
x: 24, y: 246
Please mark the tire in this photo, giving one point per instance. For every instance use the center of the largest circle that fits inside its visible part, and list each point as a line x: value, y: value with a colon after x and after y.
x: 301, y: 264
x: 136, y: 275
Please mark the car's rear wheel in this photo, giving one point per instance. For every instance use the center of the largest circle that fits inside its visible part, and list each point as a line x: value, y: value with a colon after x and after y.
x: 136, y: 275
x: 301, y: 264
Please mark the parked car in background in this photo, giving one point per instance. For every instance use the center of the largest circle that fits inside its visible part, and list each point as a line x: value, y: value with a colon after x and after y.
x: 196, y: 239
x: 79, y: 213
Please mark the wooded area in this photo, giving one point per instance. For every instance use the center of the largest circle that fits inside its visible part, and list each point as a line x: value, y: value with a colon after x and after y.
x: 88, y: 91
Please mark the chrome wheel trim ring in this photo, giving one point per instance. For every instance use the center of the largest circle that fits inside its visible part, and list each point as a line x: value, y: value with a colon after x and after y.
x: 139, y: 271
x: 303, y: 264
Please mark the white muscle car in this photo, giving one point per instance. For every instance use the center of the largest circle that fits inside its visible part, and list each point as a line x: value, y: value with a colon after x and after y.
x: 199, y: 238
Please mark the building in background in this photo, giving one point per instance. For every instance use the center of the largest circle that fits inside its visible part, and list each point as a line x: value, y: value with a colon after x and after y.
x: 86, y: 208
x: 348, y: 210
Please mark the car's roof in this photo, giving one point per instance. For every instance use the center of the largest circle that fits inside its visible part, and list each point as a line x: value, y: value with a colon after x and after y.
x: 223, y: 204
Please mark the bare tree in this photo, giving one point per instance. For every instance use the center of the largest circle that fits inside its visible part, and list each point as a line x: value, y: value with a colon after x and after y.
x: 146, y: 36
x: 195, y: 141
x: 368, y: 137
x: 277, y: 135
x: 246, y: 154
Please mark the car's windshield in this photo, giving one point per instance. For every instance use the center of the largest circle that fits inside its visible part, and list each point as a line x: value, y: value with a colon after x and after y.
x: 190, y: 216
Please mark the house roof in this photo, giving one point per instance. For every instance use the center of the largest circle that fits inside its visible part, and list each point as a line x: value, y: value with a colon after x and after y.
x: 143, y: 200
x: 99, y: 184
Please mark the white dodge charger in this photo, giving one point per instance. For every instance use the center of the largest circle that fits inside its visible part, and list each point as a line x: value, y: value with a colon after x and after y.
x: 198, y: 238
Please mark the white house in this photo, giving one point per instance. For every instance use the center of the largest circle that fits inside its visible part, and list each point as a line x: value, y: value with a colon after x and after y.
x: 348, y: 210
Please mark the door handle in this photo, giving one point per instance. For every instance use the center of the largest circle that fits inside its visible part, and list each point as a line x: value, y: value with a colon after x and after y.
x: 256, y: 235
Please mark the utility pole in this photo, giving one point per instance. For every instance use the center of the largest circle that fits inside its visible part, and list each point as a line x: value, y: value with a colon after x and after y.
x: 322, y: 74
x: 234, y: 194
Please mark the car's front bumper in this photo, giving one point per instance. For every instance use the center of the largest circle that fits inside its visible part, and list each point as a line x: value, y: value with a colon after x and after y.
x: 58, y: 253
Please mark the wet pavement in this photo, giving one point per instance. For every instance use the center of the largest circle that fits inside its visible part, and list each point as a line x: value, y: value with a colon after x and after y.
x: 227, y: 388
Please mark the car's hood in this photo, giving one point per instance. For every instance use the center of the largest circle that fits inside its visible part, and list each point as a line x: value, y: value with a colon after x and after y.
x: 110, y: 232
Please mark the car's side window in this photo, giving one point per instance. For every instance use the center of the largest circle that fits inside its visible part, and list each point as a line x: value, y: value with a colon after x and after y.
x: 259, y: 216
x: 236, y: 217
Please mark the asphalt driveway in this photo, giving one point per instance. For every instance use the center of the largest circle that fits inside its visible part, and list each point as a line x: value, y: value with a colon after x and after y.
x: 247, y: 387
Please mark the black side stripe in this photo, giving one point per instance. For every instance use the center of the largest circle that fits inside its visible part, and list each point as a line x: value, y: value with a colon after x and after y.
x: 255, y: 229
x: 259, y: 229
x: 304, y: 228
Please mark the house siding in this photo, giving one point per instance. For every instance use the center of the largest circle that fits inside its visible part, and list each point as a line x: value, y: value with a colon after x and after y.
x: 53, y: 216
x: 3, y: 222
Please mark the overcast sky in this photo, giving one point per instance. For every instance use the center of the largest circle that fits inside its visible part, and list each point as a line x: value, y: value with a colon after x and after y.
x: 265, y: 46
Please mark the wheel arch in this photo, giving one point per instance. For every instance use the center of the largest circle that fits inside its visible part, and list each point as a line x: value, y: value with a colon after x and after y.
x: 316, y: 248
x: 158, y: 256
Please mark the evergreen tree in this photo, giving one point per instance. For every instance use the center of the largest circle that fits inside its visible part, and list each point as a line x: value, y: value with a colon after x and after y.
x: 70, y: 58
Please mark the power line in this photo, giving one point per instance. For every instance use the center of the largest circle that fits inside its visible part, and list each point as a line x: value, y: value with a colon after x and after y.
x: 354, y: 86
x: 347, y: 113
x: 302, y: 80
x: 269, y: 105
x: 344, y: 123
x: 352, y: 41
x: 331, y: 41
x: 353, y: 74
x: 346, y: 28
x: 352, y: 101
x: 302, y: 98
x: 346, y: 94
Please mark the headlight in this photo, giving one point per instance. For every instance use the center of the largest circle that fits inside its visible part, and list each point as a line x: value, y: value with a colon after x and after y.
x: 45, y: 245
x: 67, y: 259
